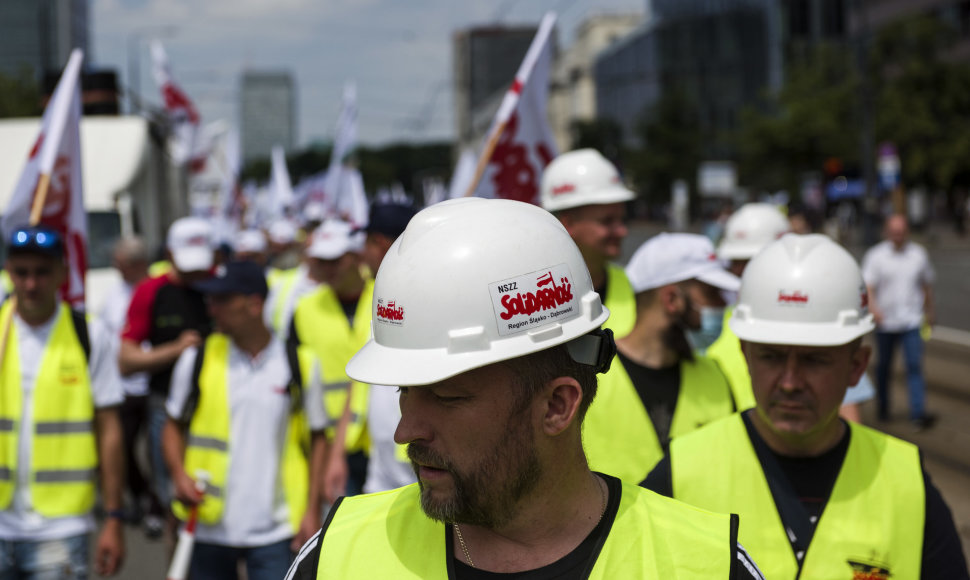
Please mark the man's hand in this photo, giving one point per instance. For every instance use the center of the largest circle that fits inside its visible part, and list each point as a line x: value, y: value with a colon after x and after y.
x: 110, y: 551
x: 309, y: 525
x: 188, y: 338
x: 335, y: 476
x: 186, y: 489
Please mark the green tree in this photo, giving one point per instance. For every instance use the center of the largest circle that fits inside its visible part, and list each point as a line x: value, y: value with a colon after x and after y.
x: 672, y: 141
x: 604, y: 135
x: 19, y: 95
x: 812, y: 118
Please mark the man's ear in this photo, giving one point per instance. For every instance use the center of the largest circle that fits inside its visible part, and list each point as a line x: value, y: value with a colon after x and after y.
x: 671, y: 298
x: 860, y: 362
x: 563, y: 396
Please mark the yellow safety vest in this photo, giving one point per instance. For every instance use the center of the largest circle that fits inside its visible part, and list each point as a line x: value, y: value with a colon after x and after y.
x: 618, y: 435
x: 159, y: 268
x: 6, y: 284
x: 64, y: 455
x: 620, y: 301
x: 208, y: 447
x: 322, y: 325
x: 284, y: 280
x: 387, y: 535
x: 726, y: 350
x: 873, y: 519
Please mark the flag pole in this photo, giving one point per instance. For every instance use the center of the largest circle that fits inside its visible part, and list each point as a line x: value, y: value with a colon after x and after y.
x: 485, y: 157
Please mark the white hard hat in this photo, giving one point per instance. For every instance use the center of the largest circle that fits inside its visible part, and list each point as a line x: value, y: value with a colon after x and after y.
x: 249, y: 241
x: 472, y: 282
x: 750, y: 229
x: 581, y: 177
x: 802, y: 290
x: 332, y: 239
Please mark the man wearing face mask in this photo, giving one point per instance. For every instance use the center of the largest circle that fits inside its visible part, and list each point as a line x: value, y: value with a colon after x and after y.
x: 659, y: 386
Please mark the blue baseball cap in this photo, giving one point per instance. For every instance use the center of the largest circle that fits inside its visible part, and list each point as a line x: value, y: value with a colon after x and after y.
x: 245, y: 278
x: 35, y: 240
x: 389, y: 219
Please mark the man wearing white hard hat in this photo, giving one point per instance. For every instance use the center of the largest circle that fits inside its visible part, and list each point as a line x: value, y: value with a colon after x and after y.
x: 583, y: 189
x: 749, y: 230
x: 334, y: 320
x: 486, y: 316
x: 170, y: 315
x: 659, y: 387
x: 250, y: 246
x: 820, y: 497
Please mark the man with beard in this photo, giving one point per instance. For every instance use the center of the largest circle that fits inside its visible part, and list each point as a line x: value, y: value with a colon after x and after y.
x: 583, y: 189
x: 659, y: 388
x: 820, y: 497
x: 485, y: 314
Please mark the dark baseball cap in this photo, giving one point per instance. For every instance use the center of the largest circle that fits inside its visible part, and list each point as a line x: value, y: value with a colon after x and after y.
x: 35, y: 240
x: 236, y: 278
x: 389, y: 219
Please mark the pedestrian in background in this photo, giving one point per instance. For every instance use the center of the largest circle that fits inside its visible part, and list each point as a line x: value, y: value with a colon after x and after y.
x: 899, y: 278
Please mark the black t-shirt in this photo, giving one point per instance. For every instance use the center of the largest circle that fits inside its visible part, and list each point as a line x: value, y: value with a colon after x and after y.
x: 658, y: 390
x: 573, y: 566
x: 176, y: 308
x: 812, y: 480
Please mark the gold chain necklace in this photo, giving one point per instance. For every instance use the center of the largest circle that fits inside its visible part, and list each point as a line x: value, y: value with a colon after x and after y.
x: 464, y: 548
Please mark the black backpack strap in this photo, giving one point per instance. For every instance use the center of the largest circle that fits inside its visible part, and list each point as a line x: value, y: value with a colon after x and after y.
x: 195, y: 391
x: 81, y: 330
x: 295, y: 386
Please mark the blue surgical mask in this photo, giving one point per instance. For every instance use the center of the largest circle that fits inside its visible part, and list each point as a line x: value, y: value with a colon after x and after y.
x: 712, y: 321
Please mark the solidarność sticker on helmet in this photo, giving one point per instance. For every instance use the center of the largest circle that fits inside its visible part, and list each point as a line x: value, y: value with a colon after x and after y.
x: 390, y: 312
x: 533, y: 300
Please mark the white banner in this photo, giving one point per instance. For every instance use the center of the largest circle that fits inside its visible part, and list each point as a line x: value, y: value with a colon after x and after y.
x: 526, y: 144
x: 280, y: 187
x: 57, y: 153
x: 182, y: 114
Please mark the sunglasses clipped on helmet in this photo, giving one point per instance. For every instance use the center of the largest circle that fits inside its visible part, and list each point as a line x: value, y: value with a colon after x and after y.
x: 36, y: 239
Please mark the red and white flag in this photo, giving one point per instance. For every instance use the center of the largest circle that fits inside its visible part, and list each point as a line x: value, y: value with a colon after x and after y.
x: 182, y: 114
x: 525, y: 142
x: 57, y: 154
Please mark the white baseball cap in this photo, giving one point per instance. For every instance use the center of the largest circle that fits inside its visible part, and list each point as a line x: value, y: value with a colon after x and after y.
x: 334, y: 238
x: 249, y: 242
x: 190, y: 243
x: 671, y: 258
x: 282, y: 231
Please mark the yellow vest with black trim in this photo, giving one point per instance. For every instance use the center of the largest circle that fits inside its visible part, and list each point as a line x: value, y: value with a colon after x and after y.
x: 618, y: 435
x: 322, y: 325
x: 387, y: 535
x: 620, y: 301
x: 208, y: 447
x: 726, y: 350
x: 63, y: 454
x: 873, y: 518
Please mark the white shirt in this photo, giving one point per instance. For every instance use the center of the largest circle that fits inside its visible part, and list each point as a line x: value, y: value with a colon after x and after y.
x: 255, y: 512
x: 20, y: 521
x: 114, y: 314
x: 388, y: 466
x: 897, y: 280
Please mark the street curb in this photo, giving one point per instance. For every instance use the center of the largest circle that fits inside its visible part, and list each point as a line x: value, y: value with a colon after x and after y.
x: 951, y: 336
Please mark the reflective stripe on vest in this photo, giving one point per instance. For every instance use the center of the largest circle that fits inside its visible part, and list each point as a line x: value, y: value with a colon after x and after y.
x: 64, y: 455
x: 620, y: 301
x: 387, y: 535
x: 726, y: 350
x: 874, y: 515
x: 322, y: 326
x: 618, y: 435
x: 208, y: 447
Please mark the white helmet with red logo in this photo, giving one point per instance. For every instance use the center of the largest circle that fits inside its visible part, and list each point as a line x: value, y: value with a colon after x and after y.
x: 802, y: 290
x: 581, y: 177
x: 750, y: 229
x: 472, y: 282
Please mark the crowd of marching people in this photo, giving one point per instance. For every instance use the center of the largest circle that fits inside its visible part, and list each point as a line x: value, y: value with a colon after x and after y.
x: 526, y: 407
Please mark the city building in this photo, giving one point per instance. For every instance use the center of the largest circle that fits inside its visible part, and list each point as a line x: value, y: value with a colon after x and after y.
x: 267, y: 112
x: 572, y: 91
x: 37, y: 36
x: 485, y: 62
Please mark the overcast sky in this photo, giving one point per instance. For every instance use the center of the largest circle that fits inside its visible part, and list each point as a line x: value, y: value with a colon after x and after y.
x: 398, y: 51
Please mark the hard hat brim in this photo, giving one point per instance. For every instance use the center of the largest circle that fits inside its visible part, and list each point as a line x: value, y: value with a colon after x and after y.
x: 799, y: 334
x: 605, y: 196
